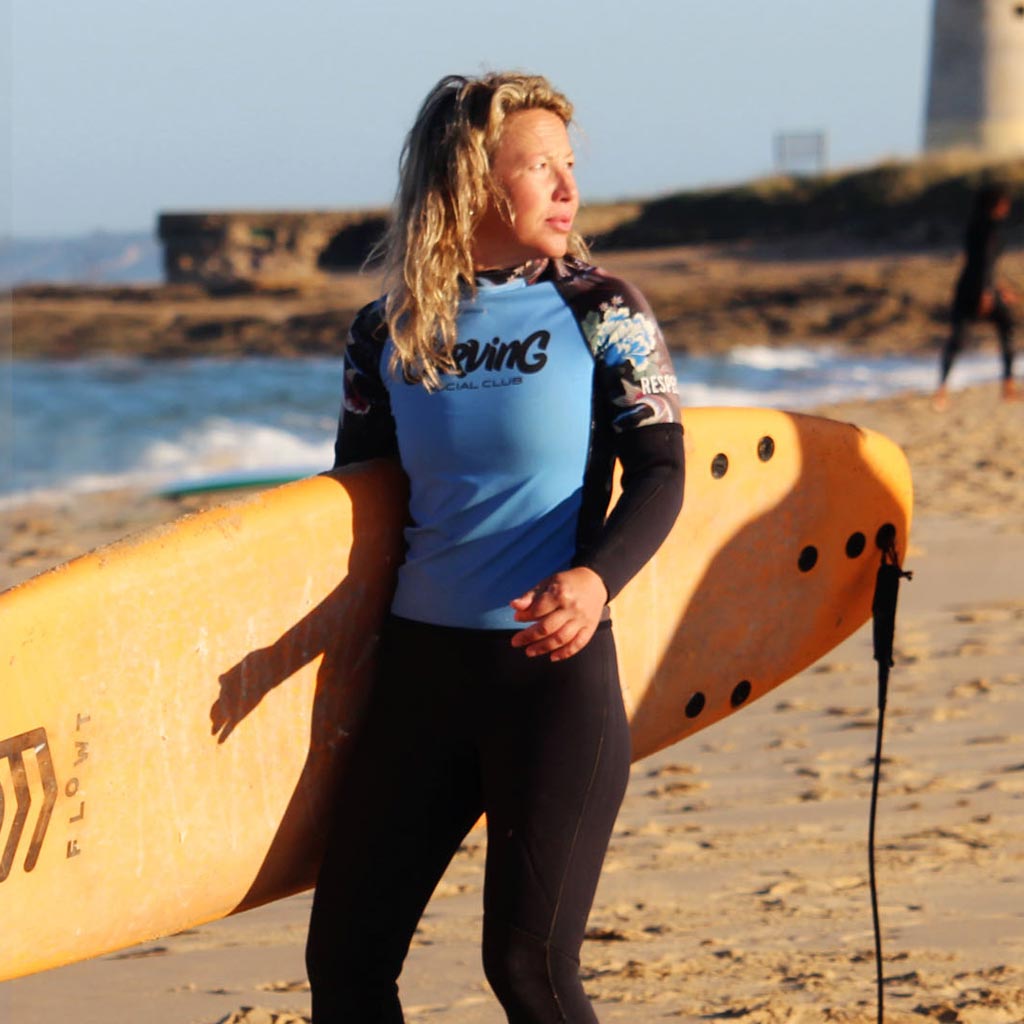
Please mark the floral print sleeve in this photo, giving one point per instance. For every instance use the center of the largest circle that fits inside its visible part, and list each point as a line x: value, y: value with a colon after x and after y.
x: 634, y: 387
x: 634, y: 365
x: 366, y: 428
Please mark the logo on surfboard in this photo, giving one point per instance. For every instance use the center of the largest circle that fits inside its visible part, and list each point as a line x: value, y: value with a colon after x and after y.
x: 26, y: 768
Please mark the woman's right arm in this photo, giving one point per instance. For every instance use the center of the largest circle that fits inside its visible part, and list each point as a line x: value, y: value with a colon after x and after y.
x: 366, y: 427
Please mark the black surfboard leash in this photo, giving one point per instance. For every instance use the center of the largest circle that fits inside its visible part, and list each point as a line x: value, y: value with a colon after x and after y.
x: 883, y: 612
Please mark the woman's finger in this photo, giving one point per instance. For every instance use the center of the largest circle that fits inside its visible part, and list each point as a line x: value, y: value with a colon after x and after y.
x: 578, y: 642
x: 538, y: 602
x: 542, y: 631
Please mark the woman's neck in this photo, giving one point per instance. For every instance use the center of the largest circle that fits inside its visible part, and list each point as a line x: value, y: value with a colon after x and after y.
x: 530, y: 271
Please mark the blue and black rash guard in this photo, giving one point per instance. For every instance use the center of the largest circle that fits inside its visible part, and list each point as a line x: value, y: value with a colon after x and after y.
x: 562, y: 369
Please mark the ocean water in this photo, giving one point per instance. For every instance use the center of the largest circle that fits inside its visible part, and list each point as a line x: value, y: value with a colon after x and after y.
x: 69, y: 427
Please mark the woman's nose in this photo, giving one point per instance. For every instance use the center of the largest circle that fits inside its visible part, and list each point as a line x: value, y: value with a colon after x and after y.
x: 565, y: 184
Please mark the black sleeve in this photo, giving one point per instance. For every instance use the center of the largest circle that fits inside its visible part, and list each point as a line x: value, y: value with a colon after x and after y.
x: 637, y: 422
x: 366, y: 427
x: 653, y: 475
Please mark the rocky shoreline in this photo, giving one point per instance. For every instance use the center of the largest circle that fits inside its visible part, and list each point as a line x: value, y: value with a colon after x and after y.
x: 708, y: 298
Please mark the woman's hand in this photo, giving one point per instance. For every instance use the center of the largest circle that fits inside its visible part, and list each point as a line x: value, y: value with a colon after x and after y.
x: 565, y: 610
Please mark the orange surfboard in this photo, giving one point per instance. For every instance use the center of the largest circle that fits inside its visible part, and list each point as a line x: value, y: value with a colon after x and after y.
x: 175, y: 708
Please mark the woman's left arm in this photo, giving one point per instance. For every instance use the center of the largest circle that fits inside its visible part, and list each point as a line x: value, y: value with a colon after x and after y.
x: 638, y: 400
x: 566, y: 608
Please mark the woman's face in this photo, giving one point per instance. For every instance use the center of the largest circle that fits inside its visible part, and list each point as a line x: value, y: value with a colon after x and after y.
x: 533, y: 166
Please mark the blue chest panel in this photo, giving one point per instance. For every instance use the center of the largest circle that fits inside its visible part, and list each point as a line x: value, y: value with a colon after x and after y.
x: 495, y: 458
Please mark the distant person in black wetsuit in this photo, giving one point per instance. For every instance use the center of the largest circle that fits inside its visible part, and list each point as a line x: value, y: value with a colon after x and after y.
x: 978, y: 295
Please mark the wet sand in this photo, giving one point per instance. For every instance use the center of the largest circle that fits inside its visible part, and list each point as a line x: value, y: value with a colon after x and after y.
x: 736, y: 884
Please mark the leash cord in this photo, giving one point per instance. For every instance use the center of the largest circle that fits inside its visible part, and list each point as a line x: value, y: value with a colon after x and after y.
x: 883, y: 609
x: 871, y: 866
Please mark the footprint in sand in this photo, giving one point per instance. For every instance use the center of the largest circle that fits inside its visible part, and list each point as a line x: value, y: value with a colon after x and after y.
x: 995, y: 994
x: 999, y: 612
x: 796, y: 704
x: 824, y: 668
x: 141, y: 954
x: 261, y: 1015
x: 973, y: 647
x: 299, y: 985
x: 1000, y: 688
x: 1012, y: 785
x: 673, y: 769
x: 678, y: 788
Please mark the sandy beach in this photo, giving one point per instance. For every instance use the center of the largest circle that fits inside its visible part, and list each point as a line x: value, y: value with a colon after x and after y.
x: 736, y: 884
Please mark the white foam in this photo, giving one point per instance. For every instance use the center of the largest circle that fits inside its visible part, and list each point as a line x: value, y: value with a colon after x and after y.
x: 101, y: 425
x: 216, y: 447
x: 220, y: 445
x: 765, y: 357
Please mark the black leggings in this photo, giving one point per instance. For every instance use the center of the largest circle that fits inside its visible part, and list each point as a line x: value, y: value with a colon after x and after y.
x: 1001, y: 315
x: 461, y: 723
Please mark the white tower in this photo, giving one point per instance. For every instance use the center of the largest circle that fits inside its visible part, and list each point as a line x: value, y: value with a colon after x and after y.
x: 976, y: 78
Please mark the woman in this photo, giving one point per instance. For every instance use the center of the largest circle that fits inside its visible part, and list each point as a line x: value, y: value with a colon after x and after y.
x: 505, y: 374
x: 978, y: 296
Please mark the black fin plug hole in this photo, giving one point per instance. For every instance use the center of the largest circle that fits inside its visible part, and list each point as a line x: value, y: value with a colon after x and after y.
x: 855, y: 545
x: 740, y: 693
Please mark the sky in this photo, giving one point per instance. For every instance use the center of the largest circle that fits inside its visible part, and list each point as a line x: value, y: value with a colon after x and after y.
x: 116, y: 110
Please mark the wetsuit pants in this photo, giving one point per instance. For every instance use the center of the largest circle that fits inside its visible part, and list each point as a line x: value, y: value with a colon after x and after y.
x: 1001, y: 315
x: 461, y: 723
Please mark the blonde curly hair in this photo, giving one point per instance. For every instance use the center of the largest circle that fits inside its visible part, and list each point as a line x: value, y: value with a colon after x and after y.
x: 445, y: 187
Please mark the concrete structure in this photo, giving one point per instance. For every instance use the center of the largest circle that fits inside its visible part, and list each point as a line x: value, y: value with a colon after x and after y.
x: 976, y: 78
